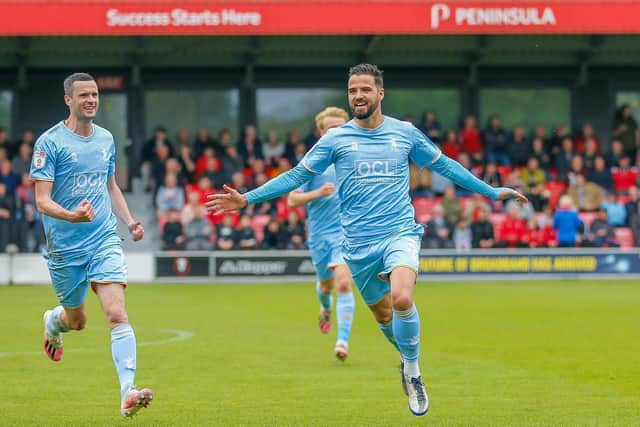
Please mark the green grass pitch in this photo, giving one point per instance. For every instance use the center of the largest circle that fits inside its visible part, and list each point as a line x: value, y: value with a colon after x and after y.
x: 544, y: 353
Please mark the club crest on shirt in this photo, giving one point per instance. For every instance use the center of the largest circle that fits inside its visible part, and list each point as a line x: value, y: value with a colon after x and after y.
x: 74, y: 157
x: 105, y: 154
x: 354, y: 146
x: 394, y: 144
x: 39, y: 159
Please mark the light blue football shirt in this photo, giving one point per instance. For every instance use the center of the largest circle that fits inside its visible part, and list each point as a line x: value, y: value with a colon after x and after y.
x: 79, y: 168
x: 323, y: 215
x: 372, y: 171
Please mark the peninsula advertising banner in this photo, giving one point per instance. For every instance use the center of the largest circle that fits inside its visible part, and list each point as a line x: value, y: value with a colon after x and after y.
x: 313, y: 17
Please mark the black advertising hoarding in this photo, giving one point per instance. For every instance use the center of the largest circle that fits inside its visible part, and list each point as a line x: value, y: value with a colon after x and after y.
x: 263, y: 266
x: 182, y: 266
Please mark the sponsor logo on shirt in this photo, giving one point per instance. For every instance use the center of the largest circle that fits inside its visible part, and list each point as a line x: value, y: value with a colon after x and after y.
x: 376, y: 171
x: 88, y: 183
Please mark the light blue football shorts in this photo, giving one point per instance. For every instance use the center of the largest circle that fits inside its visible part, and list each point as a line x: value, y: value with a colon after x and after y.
x: 72, y: 275
x: 371, y: 264
x: 326, y: 254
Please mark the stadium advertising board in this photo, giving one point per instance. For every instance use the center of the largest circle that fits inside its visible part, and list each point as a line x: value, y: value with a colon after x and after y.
x: 239, y: 266
x: 182, y: 266
x: 314, y: 17
x: 442, y: 263
x: 530, y: 262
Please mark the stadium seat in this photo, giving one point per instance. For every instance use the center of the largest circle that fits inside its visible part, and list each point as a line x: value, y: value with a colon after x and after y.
x: 624, y: 236
x: 556, y: 188
x: 283, y: 209
x: 504, y: 172
x: 423, y: 207
x: 587, y: 218
x: 258, y: 223
x: 464, y: 201
x: 497, y: 219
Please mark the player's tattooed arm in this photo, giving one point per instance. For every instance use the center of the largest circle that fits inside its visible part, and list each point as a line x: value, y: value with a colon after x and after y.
x: 121, y: 209
x: 83, y: 212
x: 299, y: 198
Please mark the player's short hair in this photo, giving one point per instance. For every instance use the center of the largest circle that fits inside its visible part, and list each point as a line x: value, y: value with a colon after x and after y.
x: 330, y: 112
x: 76, y: 77
x: 367, y: 69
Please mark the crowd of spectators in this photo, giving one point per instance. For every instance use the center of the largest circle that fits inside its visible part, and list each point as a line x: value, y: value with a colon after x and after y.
x: 579, y: 193
x: 582, y: 190
x: 599, y: 186
x: 20, y: 221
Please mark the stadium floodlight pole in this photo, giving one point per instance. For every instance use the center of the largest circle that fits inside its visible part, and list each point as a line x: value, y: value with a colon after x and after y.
x: 11, y: 250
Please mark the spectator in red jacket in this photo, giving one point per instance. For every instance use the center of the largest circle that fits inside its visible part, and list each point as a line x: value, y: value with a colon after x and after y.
x: 470, y: 140
x: 451, y: 145
x: 201, y: 163
x: 542, y: 236
x: 513, y: 230
x: 625, y: 175
x: 586, y: 133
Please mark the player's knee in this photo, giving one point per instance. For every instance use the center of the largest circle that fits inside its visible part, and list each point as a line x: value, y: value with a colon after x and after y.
x: 402, y: 300
x: 117, y: 315
x: 326, y: 286
x: 383, y: 317
x: 343, y: 285
x: 382, y: 314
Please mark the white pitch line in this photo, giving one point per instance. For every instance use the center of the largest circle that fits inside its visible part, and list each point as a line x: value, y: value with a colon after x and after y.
x: 178, y: 335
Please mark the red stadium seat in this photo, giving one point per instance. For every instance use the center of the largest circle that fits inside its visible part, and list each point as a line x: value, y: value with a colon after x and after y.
x: 497, y: 219
x: 283, y: 209
x: 556, y: 188
x: 624, y: 236
x: 504, y: 172
x: 464, y: 201
x: 587, y: 218
x: 258, y: 223
x: 423, y: 207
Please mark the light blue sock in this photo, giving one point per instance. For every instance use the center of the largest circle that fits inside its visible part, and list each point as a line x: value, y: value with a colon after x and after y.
x: 123, y: 350
x: 387, y: 330
x: 345, y: 307
x: 54, y: 322
x: 325, y: 299
x: 406, y: 329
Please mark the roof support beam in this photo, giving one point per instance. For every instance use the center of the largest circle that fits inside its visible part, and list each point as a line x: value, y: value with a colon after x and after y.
x: 369, y: 48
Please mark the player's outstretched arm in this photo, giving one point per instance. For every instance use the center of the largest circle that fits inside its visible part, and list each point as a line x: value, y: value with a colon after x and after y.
x: 299, y: 198
x: 460, y: 175
x: 45, y: 204
x: 121, y: 209
x: 231, y: 200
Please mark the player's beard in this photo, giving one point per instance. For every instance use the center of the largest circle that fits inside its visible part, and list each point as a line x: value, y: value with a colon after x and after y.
x: 363, y: 116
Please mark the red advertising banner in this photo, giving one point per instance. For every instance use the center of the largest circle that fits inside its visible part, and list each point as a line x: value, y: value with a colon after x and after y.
x: 282, y: 17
